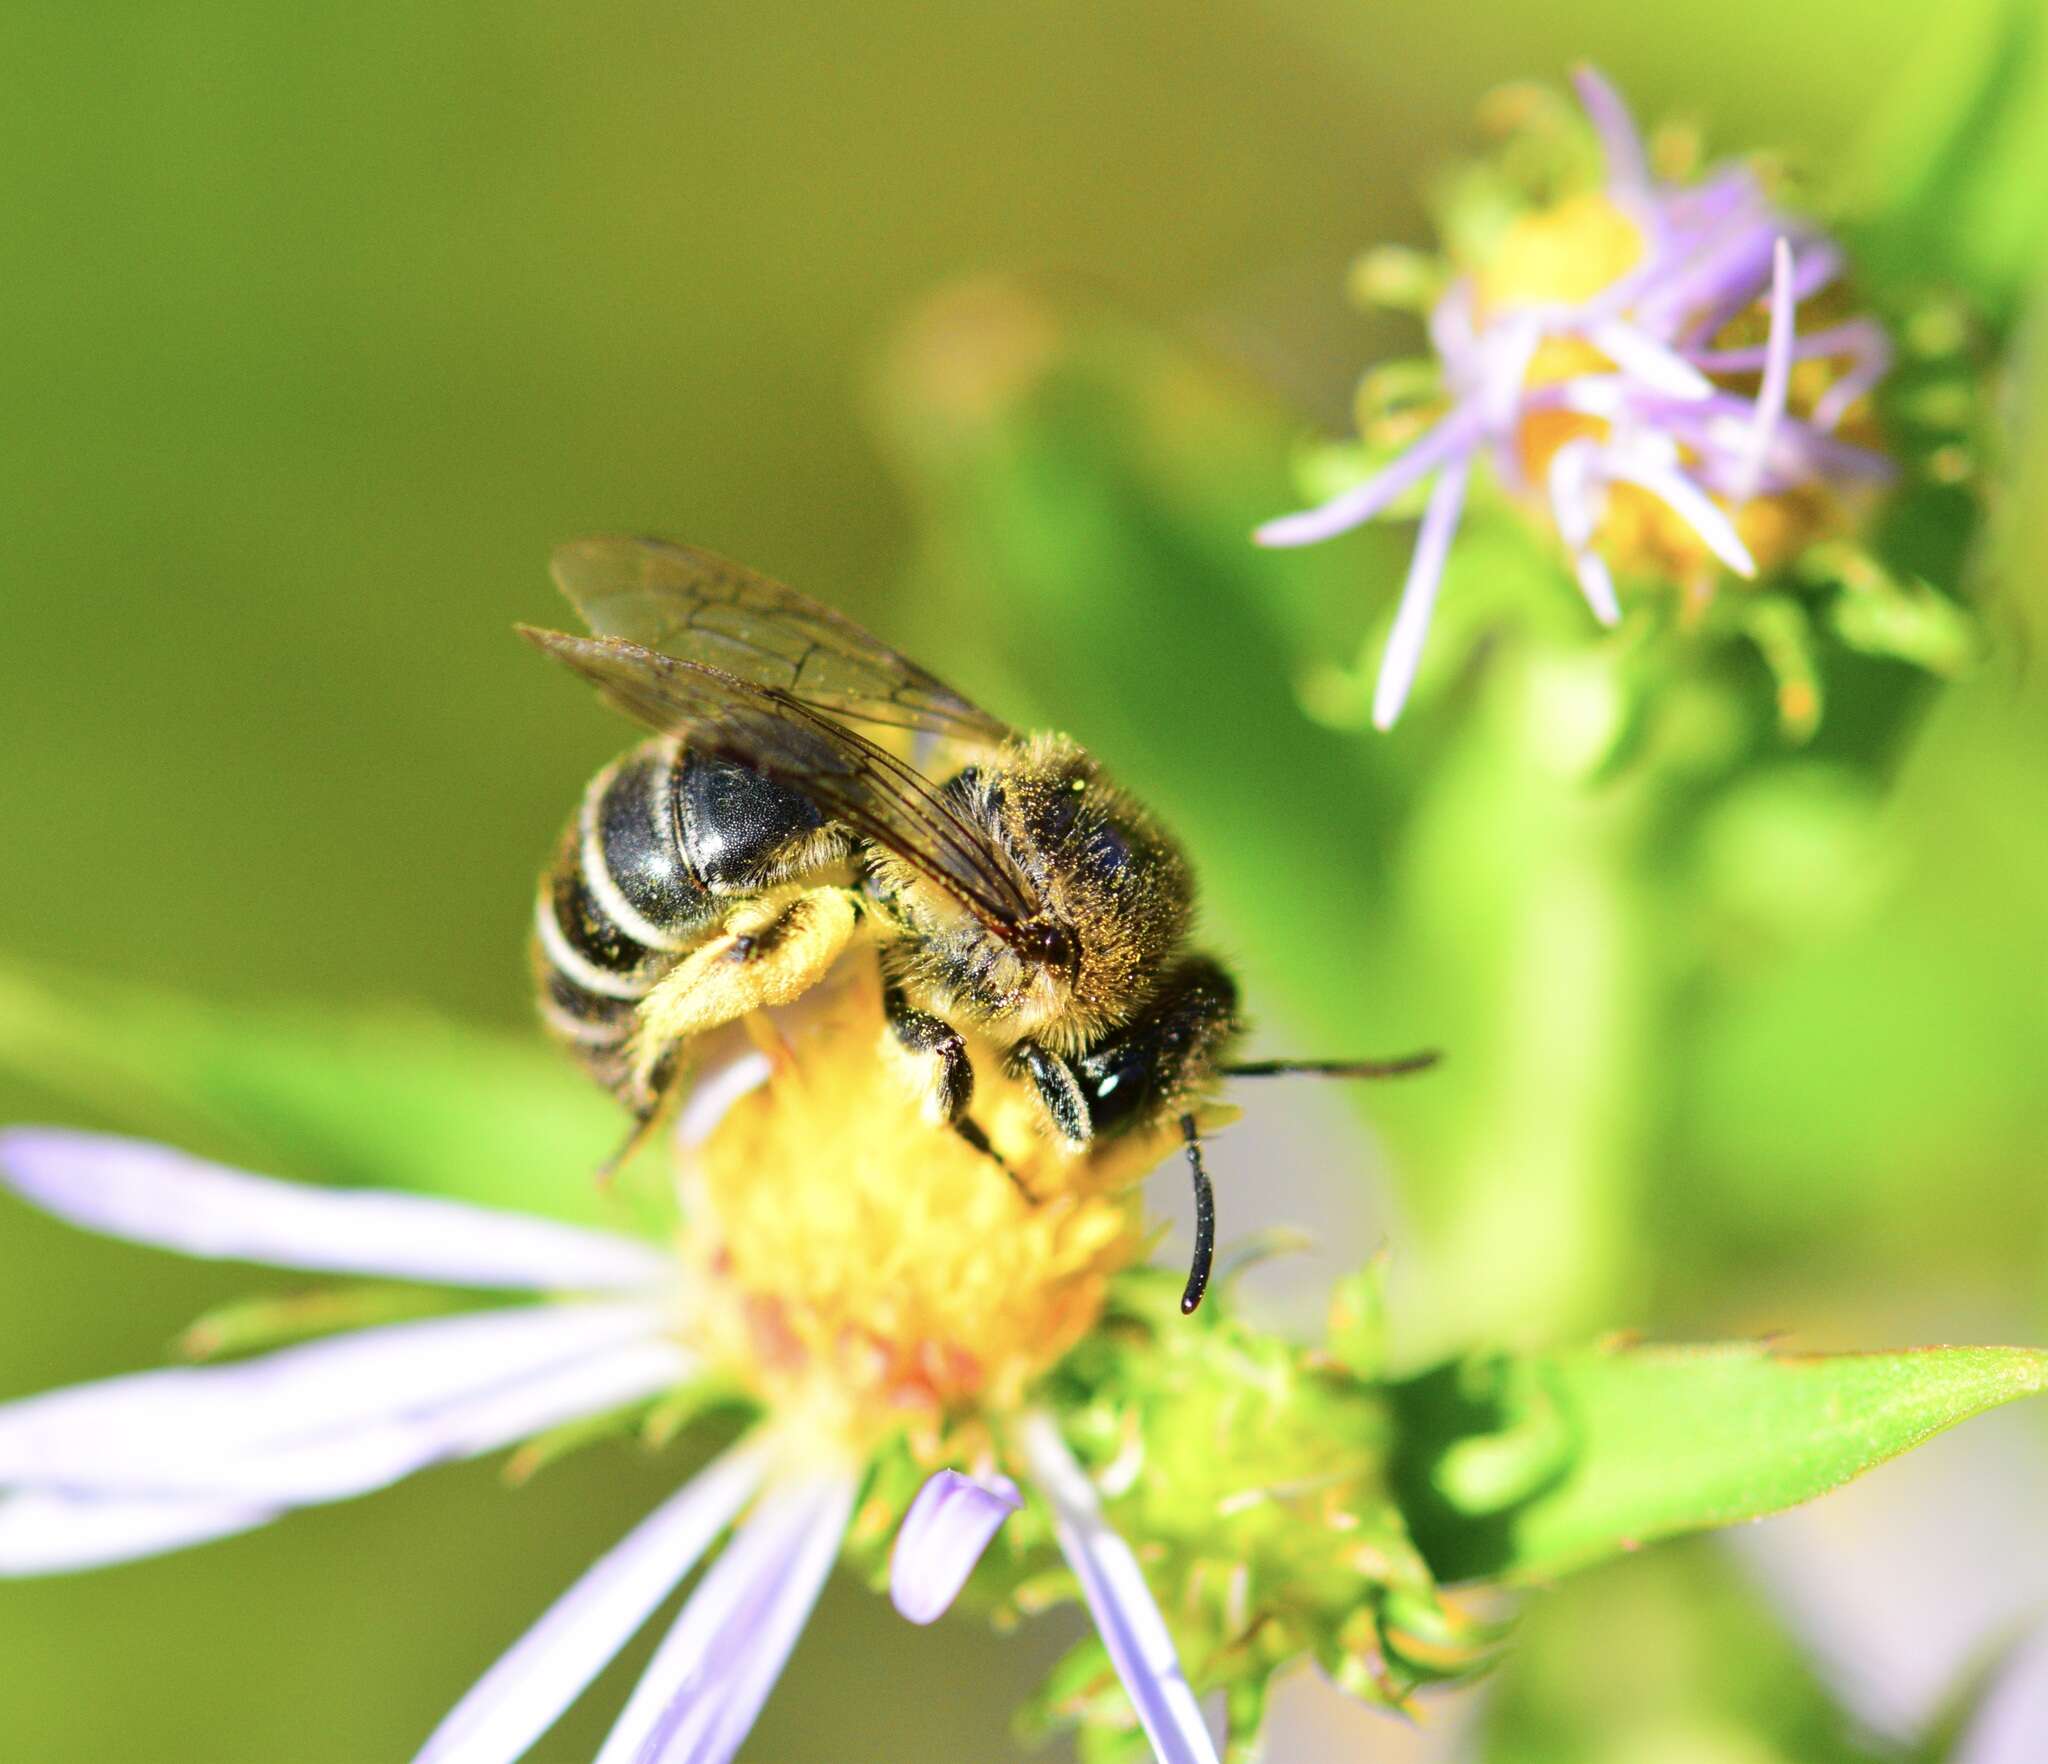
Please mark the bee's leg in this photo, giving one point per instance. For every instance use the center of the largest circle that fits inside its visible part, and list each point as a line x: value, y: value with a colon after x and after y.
x: 771, y: 952
x: 970, y: 1130
x: 649, y: 1098
x: 1066, y: 1104
x: 933, y: 1053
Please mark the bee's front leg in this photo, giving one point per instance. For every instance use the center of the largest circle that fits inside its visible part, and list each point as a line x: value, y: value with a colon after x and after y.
x: 936, y: 1055
x: 1066, y: 1104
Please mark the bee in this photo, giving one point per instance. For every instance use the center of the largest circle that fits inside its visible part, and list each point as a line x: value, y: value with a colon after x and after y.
x: 726, y: 865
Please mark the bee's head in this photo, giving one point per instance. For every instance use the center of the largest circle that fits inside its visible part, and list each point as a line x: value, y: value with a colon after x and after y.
x: 1113, y: 891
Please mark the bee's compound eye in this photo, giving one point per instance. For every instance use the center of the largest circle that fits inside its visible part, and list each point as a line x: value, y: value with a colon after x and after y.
x: 1044, y: 941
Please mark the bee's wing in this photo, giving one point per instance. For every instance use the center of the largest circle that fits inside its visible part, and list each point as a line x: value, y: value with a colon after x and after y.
x: 851, y: 780
x: 696, y: 607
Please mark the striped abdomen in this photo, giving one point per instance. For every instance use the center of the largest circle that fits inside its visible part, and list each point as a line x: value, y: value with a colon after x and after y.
x: 664, y: 843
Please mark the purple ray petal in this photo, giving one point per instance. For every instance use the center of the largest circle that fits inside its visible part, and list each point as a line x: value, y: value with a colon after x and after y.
x: 1644, y: 359
x: 358, y: 1460
x: 713, y: 1094
x: 1853, y: 338
x: 1873, y: 351
x: 1620, y: 141
x: 1777, y: 377
x: 1574, y: 501
x: 2008, y: 1725
x: 941, y: 1538
x: 715, y: 1668
x: 1820, y: 262
x: 1715, y: 283
x: 1573, y: 492
x: 1503, y: 373
x: 1596, y: 583
x: 1746, y: 275
x: 1132, y: 1629
x: 1689, y: 502
x: 1455, y: 434
x: 524, y: 1694
x: 183, y: 1427
x: 151, y: 1194
x: 1453, y: 333
x: 1418, y: 594
x: 47, y: 1531
x: 1799, y: 453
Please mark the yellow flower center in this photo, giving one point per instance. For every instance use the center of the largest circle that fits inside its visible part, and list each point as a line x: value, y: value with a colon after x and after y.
x: 1559, y: 256
x: 858, y: 1263
x: 1563, y: 256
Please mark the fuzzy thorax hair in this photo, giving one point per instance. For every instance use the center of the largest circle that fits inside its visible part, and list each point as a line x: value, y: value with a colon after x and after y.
x: 1112, y: 889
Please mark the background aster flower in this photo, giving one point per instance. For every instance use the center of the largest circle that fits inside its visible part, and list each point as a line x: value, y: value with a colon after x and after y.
x: 1633, y: 364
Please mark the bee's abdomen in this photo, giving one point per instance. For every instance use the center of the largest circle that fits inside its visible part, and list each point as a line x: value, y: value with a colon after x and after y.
x: 617, y: 906
x: 663, y: 843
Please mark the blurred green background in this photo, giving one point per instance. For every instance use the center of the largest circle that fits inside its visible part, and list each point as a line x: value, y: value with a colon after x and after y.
x: 322, y: 325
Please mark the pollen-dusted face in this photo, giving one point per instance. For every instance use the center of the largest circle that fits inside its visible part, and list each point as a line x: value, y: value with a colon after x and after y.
x: 1112, y: 891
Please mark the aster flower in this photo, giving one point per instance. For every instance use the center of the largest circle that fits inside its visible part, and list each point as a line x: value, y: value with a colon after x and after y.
x: 1660, y: 373
x: 899, y: 1319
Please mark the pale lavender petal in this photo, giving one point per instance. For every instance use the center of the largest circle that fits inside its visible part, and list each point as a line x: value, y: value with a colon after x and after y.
x: 1777, y: 377
x: 355, y: 1461
x: 1453, y: 331
x: 2008, y: 1726
x: 182, y: 1427
x: 1707, y: 289
x: 1504, y: 369
x: 1575, y: 504
x: 1801, y: 452
x: 1620, y: 140
x: 151, y: 1194
x: 1746, y: 276
x: 1596, y: 582
x: 714, y: 1669
x: 524, y: 1694
x: 1820, y: 262
x: 1418, y: 594
x: 1690, y: 503
x: 1873, y: 350
x: 1572, y: 492
x: 951, y: 1522
x: 1452, y: 436
x: 1853, y: 338
x: 1132, y: 1629
x: 1641, y: 356
x: 712, y: 1096
x: 1607, y: 396
x: 47, y: 1531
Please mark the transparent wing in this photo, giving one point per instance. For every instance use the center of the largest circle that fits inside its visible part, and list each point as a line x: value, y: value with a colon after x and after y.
x: 697, y: 607
x: 852, y: 780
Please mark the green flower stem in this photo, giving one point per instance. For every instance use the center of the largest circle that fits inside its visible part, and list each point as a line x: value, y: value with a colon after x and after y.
x: 1524, y: 883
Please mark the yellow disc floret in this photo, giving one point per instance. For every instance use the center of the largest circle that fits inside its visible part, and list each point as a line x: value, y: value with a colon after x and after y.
x: 861, y: 1263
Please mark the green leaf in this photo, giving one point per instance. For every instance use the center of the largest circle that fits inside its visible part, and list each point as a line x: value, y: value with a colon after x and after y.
x: 394, y: 1099
x: 1521, y: 1469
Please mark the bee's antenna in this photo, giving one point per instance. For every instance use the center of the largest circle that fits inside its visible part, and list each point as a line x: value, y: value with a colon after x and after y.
x: 1415, y: 1062
x: 1205, y: 1220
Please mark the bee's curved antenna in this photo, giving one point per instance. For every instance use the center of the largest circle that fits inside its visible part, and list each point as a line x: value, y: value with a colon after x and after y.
x: 1205, y: 1220
x: 1400, y: 1068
